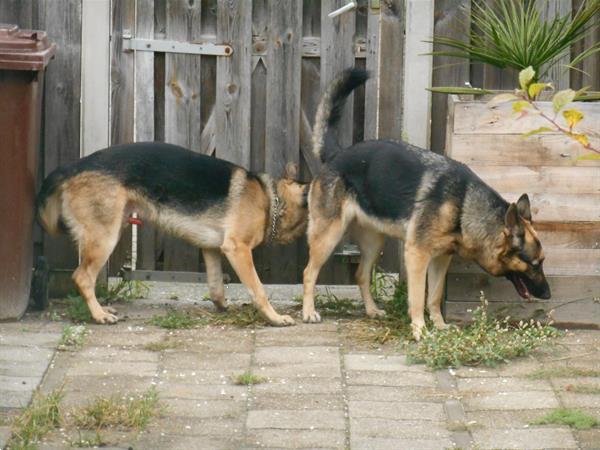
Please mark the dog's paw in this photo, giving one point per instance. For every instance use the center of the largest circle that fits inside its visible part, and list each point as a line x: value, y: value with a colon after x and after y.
x: 376, y: 313
x: 440, y: 324
x: 106, y: 317
x: 312, y: 317
x: 221, y: 305
x: 282, y: 321
x: 109, y: 310
x: 417, y: 330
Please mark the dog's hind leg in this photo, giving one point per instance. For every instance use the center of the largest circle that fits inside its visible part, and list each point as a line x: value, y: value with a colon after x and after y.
x: 417, y: 259
x: 239, y: 255
x: 436, y: 275
x: 323, y: 236
x: 370, y: 243
x: 214, y: 274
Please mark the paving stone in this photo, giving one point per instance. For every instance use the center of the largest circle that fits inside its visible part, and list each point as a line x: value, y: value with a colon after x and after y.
x: 324, y: 334
x: 523, y: 439
x: 297, y: 361
x: 118, y: 354
x: 573, y: 400
x: 396, y: 393
x: 375, y: 378
x: 567, y: 384
x: 18, y: 368
x: 40, y: 339
x: 472, y: 372
x: 397, y: 410
x: 296, y: 401
x: 511, y: 400
x: 178, y: 442
x: 215, y: 339
x: 108, y: 368
x: 518, y: 368
x: 17, y: 354
x: 203, y: 391
x: 189, y: 376
x: 501, y: 384
x: 380, y: 363
x: 123, y: 338
x: 321, y: 439
x: 398, y: 429
x: 504, y: 419
x: 360, y: 443
x: 205, y: 408
x: 206, y: 361
x: 14, y: 399
x: 105, y: 385
x: 193, y: 426
x: 296, y: 385
x: 588, y: 438
x: 19, y: 383
x: 295, y: 420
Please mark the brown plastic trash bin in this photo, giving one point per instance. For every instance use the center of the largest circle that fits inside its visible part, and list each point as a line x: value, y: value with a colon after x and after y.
x: 23, y: 56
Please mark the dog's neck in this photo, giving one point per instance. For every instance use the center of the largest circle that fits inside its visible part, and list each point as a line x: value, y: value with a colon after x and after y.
x: 275, y: 208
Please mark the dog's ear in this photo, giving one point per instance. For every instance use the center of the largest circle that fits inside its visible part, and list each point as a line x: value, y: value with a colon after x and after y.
x: 524, y: 207
x: 291, y: 171
x: 514, y: 228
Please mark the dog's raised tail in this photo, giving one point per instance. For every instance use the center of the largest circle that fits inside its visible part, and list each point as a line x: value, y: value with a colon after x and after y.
x: 325, y: 144
x: 49, y: 202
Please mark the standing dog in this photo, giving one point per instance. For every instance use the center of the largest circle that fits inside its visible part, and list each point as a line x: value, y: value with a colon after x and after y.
x: 211, y: 203
x: 438, y: 206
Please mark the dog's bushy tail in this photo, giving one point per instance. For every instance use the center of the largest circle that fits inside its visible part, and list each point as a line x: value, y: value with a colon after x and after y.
x: 325, y: 144
x: 49, y: 201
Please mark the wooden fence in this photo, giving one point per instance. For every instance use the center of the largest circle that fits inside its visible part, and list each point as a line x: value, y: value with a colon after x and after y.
x: 255, y: 107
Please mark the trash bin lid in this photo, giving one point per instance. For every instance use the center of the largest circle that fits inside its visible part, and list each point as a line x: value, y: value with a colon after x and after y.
x: 24, y: 49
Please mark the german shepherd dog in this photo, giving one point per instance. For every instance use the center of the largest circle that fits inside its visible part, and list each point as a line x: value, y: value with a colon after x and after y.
x: 211, y: 203
x: 438, y: 206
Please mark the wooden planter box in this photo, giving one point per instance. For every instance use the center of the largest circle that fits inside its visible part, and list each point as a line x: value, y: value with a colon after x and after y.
x: 565, y: 199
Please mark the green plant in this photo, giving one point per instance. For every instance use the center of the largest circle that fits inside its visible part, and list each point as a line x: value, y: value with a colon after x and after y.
x: 486, y: 341
x: 162, y: 345
x: 77, y: 309
x: 523, y: 103
x: 513, y: 34
x: 122, y: 290
x: 119, y: 411
x: 248, y: 378
x: 83, y: 441
x: 174, y: 320
x: 40, y: 417
x: 571, y: 417
x: 72, y: 337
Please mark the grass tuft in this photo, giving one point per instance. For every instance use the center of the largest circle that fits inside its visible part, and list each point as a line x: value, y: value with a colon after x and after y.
x: 240, y: 316
x: 486, y: 341
x: 72, y: 337
x: 175, y: 320
x: 162, y: 345
x: 123, y: 412
x: 571, y: 417
x: 40, y: 417
x: 248, y: 378
x: 563, y: 372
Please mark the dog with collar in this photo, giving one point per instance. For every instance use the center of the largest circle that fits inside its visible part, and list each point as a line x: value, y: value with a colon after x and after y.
x: 213, y: 204
x: 438, y: 206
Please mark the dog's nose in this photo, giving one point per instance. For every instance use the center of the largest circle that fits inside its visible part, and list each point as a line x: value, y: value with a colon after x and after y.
x: 546, y: 293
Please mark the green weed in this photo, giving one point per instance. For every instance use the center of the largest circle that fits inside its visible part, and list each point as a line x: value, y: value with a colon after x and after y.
x: 571, y: 417
x: 72, y: 337
x: 175, y: 320
x: 248, y: 378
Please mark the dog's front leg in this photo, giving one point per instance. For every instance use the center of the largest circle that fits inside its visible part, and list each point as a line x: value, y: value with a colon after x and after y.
x: 436, y: 275
x: 214, y: 275
x: 417, y: 260
x: 239, y: 255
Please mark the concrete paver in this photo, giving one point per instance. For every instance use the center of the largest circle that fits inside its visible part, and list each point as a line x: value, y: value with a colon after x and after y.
x: 319, y: 391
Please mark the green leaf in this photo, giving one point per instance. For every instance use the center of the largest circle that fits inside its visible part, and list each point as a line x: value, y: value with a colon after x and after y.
x: 520, y: 105
x: 587, y: 97
x: 534, y: 89
x: 562, y: 98
x: 590, y: 156
x: 573, y: 116
x: 526, y: 77
x: 537, y: 131
x: 502, y: 98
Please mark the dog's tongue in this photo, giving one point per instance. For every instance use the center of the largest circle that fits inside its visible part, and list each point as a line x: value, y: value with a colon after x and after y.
x: 521, y: 288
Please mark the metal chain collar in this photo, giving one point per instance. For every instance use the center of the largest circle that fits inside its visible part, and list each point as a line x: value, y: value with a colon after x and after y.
x: 274, y: 215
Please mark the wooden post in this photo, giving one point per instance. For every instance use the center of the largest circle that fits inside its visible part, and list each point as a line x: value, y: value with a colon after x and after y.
x: 183, y: 94
x: 558, y: 75
x: 417, y: 72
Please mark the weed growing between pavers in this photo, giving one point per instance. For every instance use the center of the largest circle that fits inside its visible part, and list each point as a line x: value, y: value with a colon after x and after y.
x: 121, y: 291
x: 84, y: 440
x: 39, y: 418
x: 72, y: 337
x: 571, y: 417
x: 248, y: 378
x: 119, y: 411
x: 162, y: 345
x: 486, y: 341
x: 563, y: 372
x: 241, y: 316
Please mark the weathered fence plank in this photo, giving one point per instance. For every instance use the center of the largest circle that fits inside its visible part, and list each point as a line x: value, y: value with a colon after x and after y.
x: 234, y: 27
x: 373, y: 66
x: 559, y: 73
x: 183, y: 93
